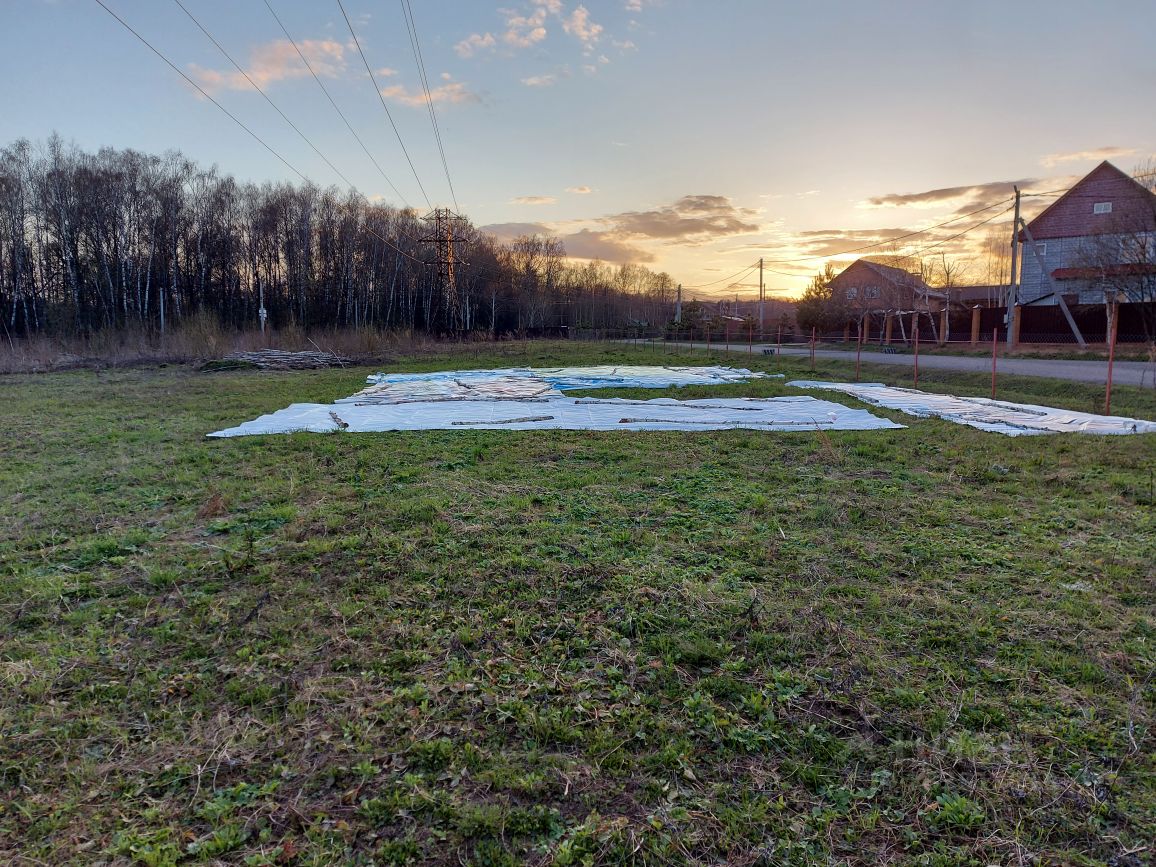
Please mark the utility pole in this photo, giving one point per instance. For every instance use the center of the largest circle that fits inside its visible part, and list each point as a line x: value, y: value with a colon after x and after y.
x: 1013, y: 293
x: 678, y: 305
x: 443, y: 221
x: 761, y: 296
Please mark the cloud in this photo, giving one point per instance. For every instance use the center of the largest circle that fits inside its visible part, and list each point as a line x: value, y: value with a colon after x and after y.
x: 1096, y: 155
x: 554, y: 7
x: 473, y: 43
x: 582, y: 28
x: 592, y: 244
x: 829, y: 242
x: 582, y: 190
x: 533, y: 200
x: 973, y: 195
x: 276, y: 61
x: 540, y: 80
x: 451, y: 93
x: 522, y: 31
x: 510, y: 231
x: 583, y: 244
x: 691, y: 220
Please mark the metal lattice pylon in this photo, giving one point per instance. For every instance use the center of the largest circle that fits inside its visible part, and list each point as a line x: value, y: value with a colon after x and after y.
x: 444, y: 236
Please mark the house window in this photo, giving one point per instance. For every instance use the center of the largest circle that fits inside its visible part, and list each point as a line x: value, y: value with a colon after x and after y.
x: 852, y: 293
x: 1102, y: 208
x: 1042, y: 246
x: 872, y: 292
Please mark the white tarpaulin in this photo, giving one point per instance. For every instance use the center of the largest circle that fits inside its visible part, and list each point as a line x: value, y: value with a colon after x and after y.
x: 532, y: 399
x: 1012, y: 419
x: 529, y: 382
x: 567, y: 413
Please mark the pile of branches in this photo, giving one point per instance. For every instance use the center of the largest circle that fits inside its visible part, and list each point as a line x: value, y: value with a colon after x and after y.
x: 277, y: 359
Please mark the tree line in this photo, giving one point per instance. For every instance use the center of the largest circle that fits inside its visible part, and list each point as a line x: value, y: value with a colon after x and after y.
x: 120, y: 239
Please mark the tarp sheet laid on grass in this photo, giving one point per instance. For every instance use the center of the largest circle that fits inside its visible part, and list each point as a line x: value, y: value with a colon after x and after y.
x: 1012, y: 419
x: 529, y: 382
x: 532, y: 399
x: 567, y: 413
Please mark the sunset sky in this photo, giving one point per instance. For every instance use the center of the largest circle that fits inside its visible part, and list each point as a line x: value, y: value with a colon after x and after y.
x: 686, y: 135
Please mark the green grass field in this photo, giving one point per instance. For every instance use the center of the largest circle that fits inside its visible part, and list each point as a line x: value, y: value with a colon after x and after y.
x: 923, y: 646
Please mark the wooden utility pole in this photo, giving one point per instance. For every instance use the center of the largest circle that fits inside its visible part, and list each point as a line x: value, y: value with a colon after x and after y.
x: 678, y: 305
x: 1012, y: 292
x: 762, y: 295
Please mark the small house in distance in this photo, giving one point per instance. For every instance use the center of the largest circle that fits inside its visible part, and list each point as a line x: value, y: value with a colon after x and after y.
x: 867, y: 286
x: 1098, y: 236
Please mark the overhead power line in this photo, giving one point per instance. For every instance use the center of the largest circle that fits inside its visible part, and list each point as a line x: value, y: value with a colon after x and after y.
x: 333, y: 103
x: 264, y: 95
x: 736, y: 275
x: 381, y: 99
x: 240, y: 123
x: 415, y: 44
x: 884, y: 243
x: 202, y: 91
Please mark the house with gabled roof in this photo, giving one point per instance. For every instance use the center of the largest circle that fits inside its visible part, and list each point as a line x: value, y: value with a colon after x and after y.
x: 869, y: 286
x: 1097, y: 237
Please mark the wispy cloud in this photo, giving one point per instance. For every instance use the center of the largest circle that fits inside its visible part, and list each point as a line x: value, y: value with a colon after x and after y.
x: 475, y: 42
x: 529, y: 25
x: 450, y: 93
x: 533, y: 200
x: 968, y: 197
x: 276, y: 61
x: 689, y: 220
x: 1095, y: 155
x: 522, y: 31
x: 582, y: 190
x: 581, y: 27
x: 540, y: 80
x: 582, y: 244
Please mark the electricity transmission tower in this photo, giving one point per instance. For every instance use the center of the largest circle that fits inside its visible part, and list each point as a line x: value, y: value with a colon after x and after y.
x: 443, y: 235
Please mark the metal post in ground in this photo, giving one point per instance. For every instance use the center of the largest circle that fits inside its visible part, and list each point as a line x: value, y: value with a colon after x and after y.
x: 916, y: 335
x: 994, y: 351
x: 728, y: 331
x: 779, y: 341
x: 858, y: 349
x: 750, y: 339
x: 812, y: 347
x: 1114, y: 312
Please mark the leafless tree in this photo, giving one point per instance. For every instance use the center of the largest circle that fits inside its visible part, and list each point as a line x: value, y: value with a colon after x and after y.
x: 119, y: 239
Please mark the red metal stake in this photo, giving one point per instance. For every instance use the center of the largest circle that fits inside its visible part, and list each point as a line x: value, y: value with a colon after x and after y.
x: 812, y: 347
x: 994, y: 351
x: 917, y: 355
x: 1111, y: 357
x: 858, y: 349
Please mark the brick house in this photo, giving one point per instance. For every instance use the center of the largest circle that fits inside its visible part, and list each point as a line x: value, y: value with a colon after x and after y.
x: 1100, y: 235
x: 867, y: 286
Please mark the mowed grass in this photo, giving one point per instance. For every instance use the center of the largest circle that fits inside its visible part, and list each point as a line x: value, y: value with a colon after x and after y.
x: 925, y: 646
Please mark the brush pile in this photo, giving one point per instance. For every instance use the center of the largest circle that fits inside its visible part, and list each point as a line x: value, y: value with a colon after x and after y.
x: 277, y: 359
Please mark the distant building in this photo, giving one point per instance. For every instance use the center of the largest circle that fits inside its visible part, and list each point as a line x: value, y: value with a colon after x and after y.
x: 868, y: 286
x: 1100, y: 235
x: 979, y: 296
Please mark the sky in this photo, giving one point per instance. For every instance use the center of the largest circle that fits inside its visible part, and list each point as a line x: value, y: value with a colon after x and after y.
x: 690, y: 136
